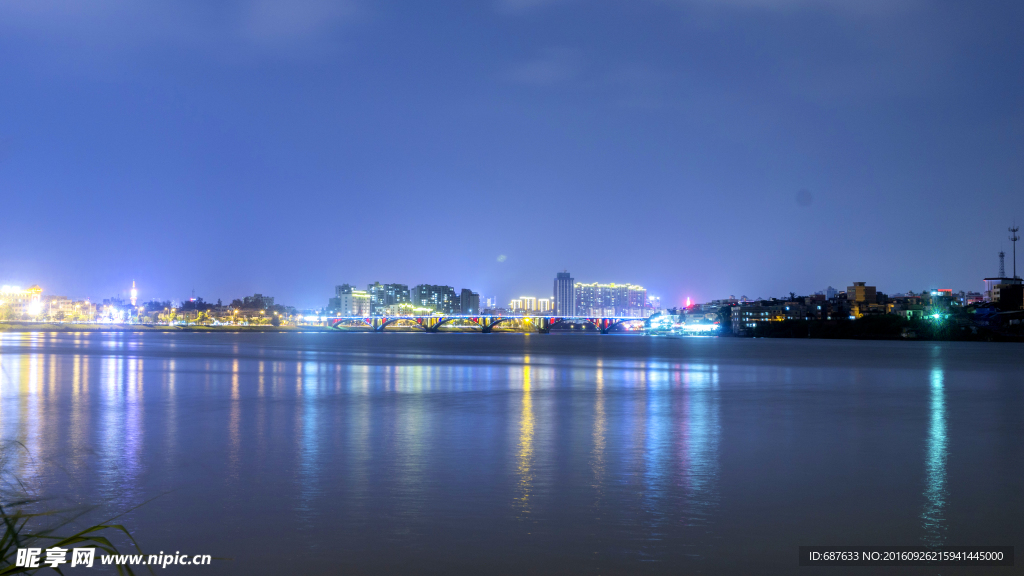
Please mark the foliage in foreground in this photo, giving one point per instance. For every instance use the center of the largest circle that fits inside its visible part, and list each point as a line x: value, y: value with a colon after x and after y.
x: 24, y: 527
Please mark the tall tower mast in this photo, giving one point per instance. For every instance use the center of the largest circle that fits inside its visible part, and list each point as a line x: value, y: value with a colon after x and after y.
x: 1013, y: 238
x: 1002, y: 268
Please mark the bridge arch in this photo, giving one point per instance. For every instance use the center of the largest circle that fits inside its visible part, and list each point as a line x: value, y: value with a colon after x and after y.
x: 389, y: 321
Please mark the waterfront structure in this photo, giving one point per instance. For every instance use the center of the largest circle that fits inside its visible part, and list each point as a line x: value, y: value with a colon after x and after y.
x: 22, y: 302
x: 439, y: 298
x: 62, y: 308
x: 564, y: 295
x: 747, y: 315
x: 611, y: 300
x: 431, y: 321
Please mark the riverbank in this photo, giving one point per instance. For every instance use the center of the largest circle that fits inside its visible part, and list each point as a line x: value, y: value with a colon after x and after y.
x: 887, y: 327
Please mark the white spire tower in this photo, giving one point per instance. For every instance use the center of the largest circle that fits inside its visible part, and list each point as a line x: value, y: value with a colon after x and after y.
x: 135, y: 293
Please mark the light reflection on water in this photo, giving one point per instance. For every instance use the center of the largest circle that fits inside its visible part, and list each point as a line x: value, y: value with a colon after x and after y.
x: 935, y: 492
x: 524, y: 457
x: 700, y: 439
x: 418, y: 453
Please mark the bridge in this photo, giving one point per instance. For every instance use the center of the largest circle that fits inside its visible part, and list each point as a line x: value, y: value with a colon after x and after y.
x: 486, y: 324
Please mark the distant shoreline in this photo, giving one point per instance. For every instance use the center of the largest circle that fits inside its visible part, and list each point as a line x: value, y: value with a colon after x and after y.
x: 67, y: 327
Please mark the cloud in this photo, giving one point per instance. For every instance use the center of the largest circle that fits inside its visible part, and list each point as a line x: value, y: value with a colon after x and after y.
x: 554, y: 66
x: 277, y: 20
x: 849, y: 6
x: 122, y: 24
x: 523, y: 5
x: 857, y: 7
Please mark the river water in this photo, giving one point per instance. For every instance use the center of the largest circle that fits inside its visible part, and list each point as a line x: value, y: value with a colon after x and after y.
x: 520, y: 454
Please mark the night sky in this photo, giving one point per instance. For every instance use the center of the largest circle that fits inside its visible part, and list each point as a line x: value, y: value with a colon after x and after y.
x: 699, y: 148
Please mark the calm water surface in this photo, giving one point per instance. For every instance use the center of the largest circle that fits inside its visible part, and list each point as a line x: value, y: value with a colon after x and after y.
x: 521, y: 454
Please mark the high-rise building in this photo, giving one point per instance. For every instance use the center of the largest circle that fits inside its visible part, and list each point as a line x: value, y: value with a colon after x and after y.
x: 611, y: 300
x: 564, y: 295
x: 530, y: 305
x: 334, y: 304
x: 354, y: 303
x: 469, y: 302
x: 441, y: 298
x: 384, y: 295
x: 654, y: 302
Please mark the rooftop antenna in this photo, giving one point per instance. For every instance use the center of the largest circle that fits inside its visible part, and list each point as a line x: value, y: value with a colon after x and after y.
x: 1013, y: 238
x: 1002, y: 269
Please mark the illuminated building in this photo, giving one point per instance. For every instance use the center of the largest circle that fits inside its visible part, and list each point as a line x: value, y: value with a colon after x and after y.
x: 134, y: 293
x: 354, y: 303
x: 523, y: 304
x: 564, y: 295
x: 439, y: 298
x: 406, y: 309
x: 861, y: 293
x: 612, y: 300
x: 748, y: 316
x: 334, y: 304
x: 863, y: 299
x: 63, y: 308
x: 530, y: 305
x: 25, y: 302
x: 384, y: 295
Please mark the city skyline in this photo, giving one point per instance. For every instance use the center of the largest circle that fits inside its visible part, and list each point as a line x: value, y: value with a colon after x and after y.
x: 701, y: 149
x: 146, y: 295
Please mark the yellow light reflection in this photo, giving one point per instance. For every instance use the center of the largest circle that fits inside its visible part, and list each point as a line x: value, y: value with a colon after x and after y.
x: 233, y: 421
x: 597, y: 463
x: 525, y: 455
